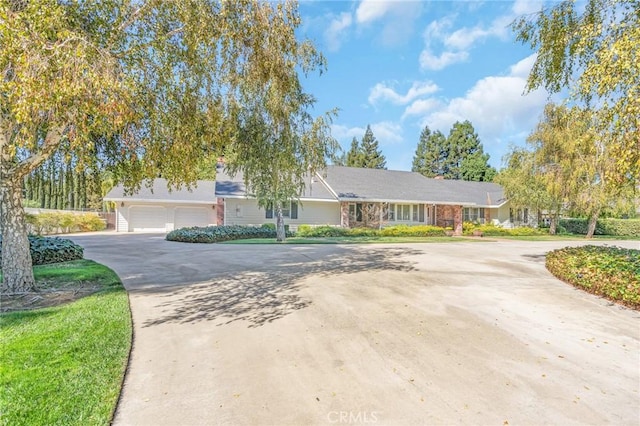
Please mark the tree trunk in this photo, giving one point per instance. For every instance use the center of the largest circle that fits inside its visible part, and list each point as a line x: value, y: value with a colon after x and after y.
x: 281, y: 235
x: 553, y: 226
x: 593, y: 221
x: 17, y: 269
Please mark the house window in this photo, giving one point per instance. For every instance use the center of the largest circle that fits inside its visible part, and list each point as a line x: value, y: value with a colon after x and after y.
x: 289, y: 209
x: 391, y: 212
x: 473, y: 214
x: 409, y: 212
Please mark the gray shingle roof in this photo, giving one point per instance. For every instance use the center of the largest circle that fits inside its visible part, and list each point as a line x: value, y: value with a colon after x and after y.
x: 202, y: 192
x: 233, y: 186
x: 348, y: 184
x: 358, y: 184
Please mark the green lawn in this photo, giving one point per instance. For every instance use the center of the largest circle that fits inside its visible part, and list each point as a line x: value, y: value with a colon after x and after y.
x: 352, y: 240
x: 65, y: 364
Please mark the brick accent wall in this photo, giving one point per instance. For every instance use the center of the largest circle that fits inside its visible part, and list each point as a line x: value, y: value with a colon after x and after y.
x: 449, y: 216
x: 344, y: 214
x: 220, y: 211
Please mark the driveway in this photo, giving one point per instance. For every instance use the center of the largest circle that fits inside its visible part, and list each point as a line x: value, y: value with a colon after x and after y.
x: 448, y: 333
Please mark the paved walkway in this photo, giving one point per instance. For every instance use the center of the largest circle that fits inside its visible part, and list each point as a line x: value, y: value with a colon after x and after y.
x: 466, y: 333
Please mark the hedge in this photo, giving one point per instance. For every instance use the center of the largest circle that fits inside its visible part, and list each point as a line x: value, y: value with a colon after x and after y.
x: 64, y: 222
x: 491, y: 230
x: 216, y: 234
x: 615, y: 227
x: 612, y: 272
x: 46, y: 250
x: 391, y: 231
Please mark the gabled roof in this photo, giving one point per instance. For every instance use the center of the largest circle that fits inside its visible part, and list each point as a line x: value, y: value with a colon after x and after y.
x: 376, y: 185
x: 203, y: 192
x: 335, y: 183
x: 233, y: 187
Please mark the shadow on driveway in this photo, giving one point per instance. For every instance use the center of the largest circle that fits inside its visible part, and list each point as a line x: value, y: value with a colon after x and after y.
x: 267, y: 292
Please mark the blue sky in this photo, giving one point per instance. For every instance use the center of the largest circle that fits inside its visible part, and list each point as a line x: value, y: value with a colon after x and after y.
x: 401, y: 65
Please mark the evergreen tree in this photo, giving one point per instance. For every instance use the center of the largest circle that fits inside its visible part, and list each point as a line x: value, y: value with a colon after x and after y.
x: 372, y: 157
x: 354, y: 155
x: 465, y: 158
x: 431, y: 153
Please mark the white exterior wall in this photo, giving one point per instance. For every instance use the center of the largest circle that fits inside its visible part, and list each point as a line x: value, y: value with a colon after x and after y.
x: 123, y: 214
x: 502, y: 216
x: 242, y: 211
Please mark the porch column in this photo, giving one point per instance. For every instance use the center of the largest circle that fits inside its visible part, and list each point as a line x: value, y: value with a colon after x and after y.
x: 344, y: 214
x: 457, y: 220
x: 220, y: 211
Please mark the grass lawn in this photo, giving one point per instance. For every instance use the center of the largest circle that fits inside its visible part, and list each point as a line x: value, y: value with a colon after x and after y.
x: 353, y: 240
x: 64, y: 363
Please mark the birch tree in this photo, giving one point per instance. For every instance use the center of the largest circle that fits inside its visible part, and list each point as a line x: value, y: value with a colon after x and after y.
x: 162, y: 83
x: 591, y: 49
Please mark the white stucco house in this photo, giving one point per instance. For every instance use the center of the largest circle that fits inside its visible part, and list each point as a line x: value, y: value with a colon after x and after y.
x: 338, y: 196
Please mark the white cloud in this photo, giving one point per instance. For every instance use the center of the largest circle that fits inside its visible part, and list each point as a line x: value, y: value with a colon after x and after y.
x: 334, y: 34
x: 525, y: 7
x: 387, y: 132
x: 381, y: 91
x: 399, y: 18
x: 495, y: 105
x: 420, y: 107
x: 455, y: 45
x: 435, y: 33
x: 344, y: 133
x: 430, y: 61
x: 372, y: 10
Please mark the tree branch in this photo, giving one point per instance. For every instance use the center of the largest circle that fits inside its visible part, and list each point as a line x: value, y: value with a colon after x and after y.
x: 51, y: 144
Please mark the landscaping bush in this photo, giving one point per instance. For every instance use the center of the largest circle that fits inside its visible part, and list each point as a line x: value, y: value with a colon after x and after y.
x: 216, y: 234
x: 413, y: 231
x: 615, y: 227
x: 321, y: 231
x: 46, y: 250
x: 611, y: 272
x: 491, y: 230
x: 64, y: 222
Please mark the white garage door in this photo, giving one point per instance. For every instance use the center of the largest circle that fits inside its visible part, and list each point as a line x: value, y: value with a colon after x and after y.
x: 191, y: 216
x: 148, y: 219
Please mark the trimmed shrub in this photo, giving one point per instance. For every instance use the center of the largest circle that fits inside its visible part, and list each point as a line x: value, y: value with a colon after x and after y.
x: 413, y: 231
x: 612, y: 272
x: 391, y: 231
x: 491, y: 230
x: 64, y: 222
x: 216, y: 234
x: 615, y: 227
x: 46, y: 250
x: 322, y: 231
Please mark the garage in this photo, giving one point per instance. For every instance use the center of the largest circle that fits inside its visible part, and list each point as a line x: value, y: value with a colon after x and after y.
x: 157, y: 207
x: 191, y: 216
x: 147, y: 219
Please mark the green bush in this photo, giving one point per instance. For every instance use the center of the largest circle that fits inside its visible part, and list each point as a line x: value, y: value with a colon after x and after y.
x: 272, y: 226
x: 64, y: 222
x: 51, y: 250
x: 615, y: 227
x: 216, y: 234
x: 413, y: 231
x: 322, y: 231
x: 611, y: 272
x: 391, y: 231
x: 491, y: 230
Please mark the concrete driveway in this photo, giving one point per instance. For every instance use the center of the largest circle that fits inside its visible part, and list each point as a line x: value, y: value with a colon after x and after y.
x: 449, y: 333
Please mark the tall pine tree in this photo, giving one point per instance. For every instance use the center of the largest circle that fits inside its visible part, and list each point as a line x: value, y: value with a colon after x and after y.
x: 466, y: 159
x: 372, y: 157
x: 354, y: 156
x: 431, y: 153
